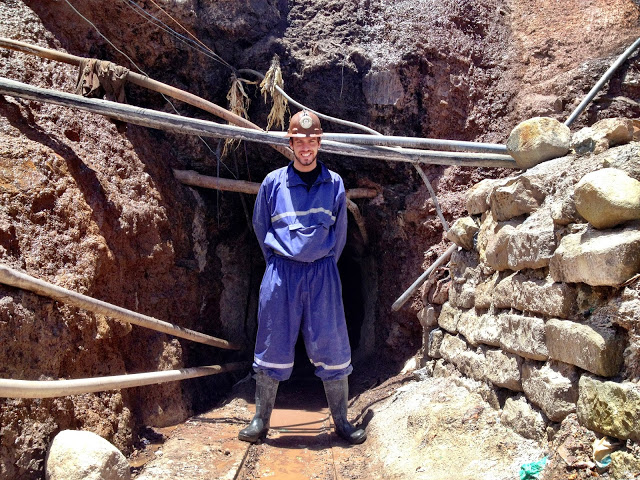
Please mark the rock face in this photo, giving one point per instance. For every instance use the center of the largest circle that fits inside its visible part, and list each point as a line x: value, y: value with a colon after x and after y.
x: 96, y: 209
x: 79, y: 455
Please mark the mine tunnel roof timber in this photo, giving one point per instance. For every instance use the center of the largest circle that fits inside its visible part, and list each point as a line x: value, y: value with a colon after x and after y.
x: 179, y: 124
x: 368, y: 146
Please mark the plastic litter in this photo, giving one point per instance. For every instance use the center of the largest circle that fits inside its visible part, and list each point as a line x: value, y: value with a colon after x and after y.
x: 530, y: 471
x: 603, y: 464
x: 602, y: 449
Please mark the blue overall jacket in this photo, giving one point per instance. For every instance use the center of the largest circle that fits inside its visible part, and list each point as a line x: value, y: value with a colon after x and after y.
x: 298, y: 224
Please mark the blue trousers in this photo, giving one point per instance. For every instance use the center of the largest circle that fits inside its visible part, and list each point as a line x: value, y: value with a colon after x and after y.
x: 302, y: 297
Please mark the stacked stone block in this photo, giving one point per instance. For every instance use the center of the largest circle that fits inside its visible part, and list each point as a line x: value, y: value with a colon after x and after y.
x: 542, y: 303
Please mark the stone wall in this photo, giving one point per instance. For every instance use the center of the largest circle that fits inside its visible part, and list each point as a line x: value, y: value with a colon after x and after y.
x: 542, y: 307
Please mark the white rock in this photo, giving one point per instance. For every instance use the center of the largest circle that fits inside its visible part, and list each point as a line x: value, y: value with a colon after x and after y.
x: 597, y: 348
x: 552, y: 386
x: 81, y: 455
x: 607, y: 198
x: 537, y: 140
x: 462, y: 232
x: 523, y: 418
x: 598, y: 258
x: 602, y: 135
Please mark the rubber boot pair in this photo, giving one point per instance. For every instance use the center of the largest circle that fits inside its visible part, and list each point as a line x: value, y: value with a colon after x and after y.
x: 266, y: 389
x: 337, y: 392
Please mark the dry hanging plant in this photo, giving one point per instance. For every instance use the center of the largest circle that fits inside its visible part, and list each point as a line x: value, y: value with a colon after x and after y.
x: 238, y: 98
x: 239, y: 104
x: 268, y: 85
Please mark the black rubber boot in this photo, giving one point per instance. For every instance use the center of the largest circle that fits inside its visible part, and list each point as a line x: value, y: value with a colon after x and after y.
x: 266, y: 389
x: 337, y: 392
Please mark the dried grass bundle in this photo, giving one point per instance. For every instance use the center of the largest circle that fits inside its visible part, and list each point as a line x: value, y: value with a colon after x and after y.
x: 238, y: 99
x: 268, y: 85
x: 239, y: 104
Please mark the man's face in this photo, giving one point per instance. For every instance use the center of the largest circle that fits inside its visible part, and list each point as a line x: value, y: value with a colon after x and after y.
x: 305, y: 150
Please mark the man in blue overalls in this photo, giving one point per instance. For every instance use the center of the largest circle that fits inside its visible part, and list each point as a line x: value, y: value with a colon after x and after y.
x: 300, y: 220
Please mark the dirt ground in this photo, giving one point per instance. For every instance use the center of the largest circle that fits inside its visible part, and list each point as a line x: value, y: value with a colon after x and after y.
x: 419, y: 427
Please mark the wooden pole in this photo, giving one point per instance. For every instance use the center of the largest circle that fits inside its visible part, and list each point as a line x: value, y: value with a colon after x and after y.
x: 12, y: 277
x: 10, y: 388
x: 191, y: 126
x: 421, y: 279
x: 189, y: 177
x: 146, y: 82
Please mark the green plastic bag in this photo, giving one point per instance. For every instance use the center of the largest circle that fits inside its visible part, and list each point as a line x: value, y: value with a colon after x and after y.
x: 530, y: 471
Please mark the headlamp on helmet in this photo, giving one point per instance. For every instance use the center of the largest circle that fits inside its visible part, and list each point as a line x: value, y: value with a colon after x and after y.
x: 304, y: 124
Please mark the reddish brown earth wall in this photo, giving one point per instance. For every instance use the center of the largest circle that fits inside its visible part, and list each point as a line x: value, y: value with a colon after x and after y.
x: 97, y: 210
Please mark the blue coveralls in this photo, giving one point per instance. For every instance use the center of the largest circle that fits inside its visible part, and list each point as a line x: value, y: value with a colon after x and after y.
x: 302, y: 234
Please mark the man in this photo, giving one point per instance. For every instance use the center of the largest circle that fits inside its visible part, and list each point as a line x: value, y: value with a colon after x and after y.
x: 300, y: 220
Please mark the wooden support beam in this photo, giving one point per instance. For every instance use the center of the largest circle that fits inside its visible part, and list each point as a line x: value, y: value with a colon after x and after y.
x: 191, y: 126
x: 189, y: 177
x: 195, y: 179
x: 10, y: 388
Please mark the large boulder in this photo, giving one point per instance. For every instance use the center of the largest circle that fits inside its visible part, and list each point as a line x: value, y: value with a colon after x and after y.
x: 520, y: 245
x: 449, y: 318
x: 479, y: 328
x: 528, y: 294
x: 466, y: 274
x: 537, y: 140
x: 552, y: 386
x: 504, y: 369
x: 462, y: 232
x: 524, y: 336
x: 477, y: 197
x: 602, y: 135
x: 81, y: 455
x: 624, y: 465
x: 518, y: 196
x: 523, y: 418
x: 607, y: 198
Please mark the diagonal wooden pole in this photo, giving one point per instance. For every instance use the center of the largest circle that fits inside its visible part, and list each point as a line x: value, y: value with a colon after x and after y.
x: 10, y: 388
x: 146, y: 82
x: 14, y: 278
